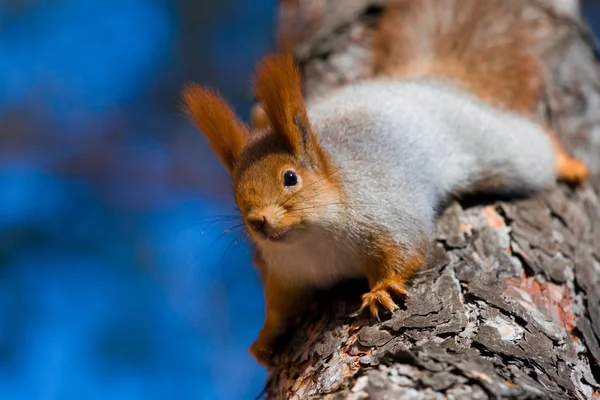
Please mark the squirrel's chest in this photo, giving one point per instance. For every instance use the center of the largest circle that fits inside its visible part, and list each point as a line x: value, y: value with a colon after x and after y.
x: 318, y: 262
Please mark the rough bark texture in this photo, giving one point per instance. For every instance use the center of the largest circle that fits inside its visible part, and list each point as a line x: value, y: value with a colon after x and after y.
x: 509, y: 306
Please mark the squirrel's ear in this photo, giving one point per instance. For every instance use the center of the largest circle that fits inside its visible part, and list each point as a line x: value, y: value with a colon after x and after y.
x: 226, y: 134
x: 278, y: 87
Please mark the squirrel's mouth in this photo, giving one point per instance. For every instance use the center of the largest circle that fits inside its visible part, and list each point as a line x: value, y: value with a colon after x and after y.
x: 279, y: 236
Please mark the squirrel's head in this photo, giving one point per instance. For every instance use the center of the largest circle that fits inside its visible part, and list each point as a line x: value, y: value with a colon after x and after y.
x: 283, y: 181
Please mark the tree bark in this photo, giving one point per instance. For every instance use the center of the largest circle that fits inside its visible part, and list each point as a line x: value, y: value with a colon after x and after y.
x: 509, y: 306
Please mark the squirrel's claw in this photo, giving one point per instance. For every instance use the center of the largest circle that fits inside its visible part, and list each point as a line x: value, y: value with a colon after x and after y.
x: 379, y: 299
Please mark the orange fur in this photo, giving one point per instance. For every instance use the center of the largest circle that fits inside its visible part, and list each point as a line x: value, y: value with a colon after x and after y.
x: 259, y: 192
x: 283, y: 303
x: 278, y: 87
x: 226, y: 134
x: 388, y: 270
x: 490, y: 47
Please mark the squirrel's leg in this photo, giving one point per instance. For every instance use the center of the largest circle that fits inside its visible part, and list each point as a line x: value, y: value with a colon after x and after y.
x: 387, y: 274
x: 568, y: 169
x: 283, y: 303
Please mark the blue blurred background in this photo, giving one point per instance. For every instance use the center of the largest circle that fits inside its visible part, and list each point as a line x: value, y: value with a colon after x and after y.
x: 117, y: 280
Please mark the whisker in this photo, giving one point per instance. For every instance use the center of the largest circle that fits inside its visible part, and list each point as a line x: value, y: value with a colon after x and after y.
x: 314, y: 183
x: 280, y: 193
x: 218, y: 216
x: 235, y: 241
x: 317, y: 194
x: 316, y: 206
x: 225, y: 232
x: 310, y: 185
x: 200, y: 256
x: 207, y: 222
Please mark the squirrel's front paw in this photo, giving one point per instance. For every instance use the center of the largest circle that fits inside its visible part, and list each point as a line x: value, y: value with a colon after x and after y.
x: 263, y: 352
x: 379, y: 299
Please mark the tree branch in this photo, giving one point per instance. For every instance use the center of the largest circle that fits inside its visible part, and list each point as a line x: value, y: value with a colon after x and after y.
x: 509, y: 306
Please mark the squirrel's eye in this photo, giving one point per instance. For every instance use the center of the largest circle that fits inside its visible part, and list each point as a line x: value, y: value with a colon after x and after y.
x: 290, y: 178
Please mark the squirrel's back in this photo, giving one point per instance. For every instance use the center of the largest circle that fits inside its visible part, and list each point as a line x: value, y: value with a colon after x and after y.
x: 422, y: 138
x: 490, y: 47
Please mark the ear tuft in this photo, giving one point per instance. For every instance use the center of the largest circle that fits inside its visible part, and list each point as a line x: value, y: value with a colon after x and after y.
x: 226, y: 134
x: 278, y: 87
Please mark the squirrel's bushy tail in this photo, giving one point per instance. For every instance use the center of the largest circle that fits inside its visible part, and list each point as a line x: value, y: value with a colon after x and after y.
x: 491, y: 47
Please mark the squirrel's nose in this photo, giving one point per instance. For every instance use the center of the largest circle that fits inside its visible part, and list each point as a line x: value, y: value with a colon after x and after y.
x: 258, y: 223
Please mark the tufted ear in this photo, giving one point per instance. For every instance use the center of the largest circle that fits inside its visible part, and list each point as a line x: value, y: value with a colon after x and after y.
x: 278, y: 87
x: 226, y: 134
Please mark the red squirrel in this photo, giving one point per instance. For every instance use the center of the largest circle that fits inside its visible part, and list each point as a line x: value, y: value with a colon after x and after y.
x: 350, y: 184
